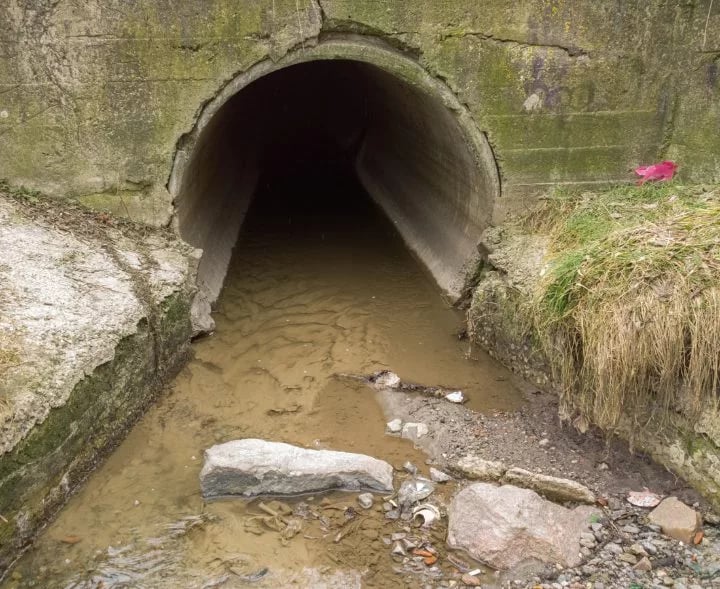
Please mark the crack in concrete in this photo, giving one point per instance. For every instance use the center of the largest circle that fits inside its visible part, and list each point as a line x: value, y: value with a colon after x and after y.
x: 571, y: 51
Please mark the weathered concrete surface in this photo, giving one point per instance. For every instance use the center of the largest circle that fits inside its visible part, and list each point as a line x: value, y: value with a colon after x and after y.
x: 97, y: 94
x: 92, y: 317
x: 253, y: 467
x: 505, y: 527
x: 103, y: 101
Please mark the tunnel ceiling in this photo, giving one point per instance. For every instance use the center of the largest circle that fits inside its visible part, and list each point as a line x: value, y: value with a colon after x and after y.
x: 409, y: 150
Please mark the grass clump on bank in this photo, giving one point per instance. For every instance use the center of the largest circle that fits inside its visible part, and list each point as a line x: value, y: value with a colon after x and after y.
x: 628, y: 311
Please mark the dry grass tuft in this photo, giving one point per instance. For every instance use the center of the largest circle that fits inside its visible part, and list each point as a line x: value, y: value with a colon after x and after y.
x: 629, y: 310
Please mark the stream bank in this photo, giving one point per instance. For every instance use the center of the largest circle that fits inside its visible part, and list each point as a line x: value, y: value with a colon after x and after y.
x: 312, y: 293
x: 94, y: 318
x: 609, y: 300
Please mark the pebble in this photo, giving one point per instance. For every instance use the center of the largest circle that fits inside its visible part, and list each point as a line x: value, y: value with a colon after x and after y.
x: 392, y: 514
x: 410, y: 467
x: 628, y: 558
x: 470, y: 580
x: 366, y: 500
x: 649, y: 547
x: 637, y: 550
x: 414, y: 431
x: 630, y: 529
x: 438, y: 476
x: 544, y: 443
x: 394, y: 426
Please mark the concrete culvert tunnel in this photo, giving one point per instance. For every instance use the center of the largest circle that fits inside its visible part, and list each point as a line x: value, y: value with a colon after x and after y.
x: 432, y: 176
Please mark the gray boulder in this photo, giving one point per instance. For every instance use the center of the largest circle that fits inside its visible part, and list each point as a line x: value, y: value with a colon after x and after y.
x: 256, y: 467
x: 506, y: 526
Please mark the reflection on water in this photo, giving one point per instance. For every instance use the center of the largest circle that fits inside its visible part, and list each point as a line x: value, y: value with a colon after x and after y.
x: 316, y: 286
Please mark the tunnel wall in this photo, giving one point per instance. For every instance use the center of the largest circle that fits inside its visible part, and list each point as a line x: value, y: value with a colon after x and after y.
x: 347, y: 101
x: 95, y: 95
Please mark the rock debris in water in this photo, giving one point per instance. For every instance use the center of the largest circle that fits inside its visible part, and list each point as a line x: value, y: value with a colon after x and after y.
x: 254, y: 467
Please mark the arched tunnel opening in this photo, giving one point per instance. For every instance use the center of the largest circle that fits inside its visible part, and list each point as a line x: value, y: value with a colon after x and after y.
x: 338, y: 121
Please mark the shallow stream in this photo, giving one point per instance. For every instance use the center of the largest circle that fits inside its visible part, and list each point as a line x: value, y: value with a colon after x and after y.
x: 317, y: 286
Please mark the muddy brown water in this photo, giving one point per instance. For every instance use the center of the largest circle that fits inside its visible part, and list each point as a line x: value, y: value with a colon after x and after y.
x: 315, y: 288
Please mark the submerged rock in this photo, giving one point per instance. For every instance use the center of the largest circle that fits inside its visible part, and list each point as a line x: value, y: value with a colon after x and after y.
x: 554, y: 488
x: 676, y: 519
x: 414, y: 431
x: 394, y: 426
x: 438, y: 476
x: 507, y: 526
x: 253, y: 467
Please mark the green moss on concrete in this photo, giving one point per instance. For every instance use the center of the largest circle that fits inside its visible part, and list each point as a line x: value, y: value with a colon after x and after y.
x: 38, y: 475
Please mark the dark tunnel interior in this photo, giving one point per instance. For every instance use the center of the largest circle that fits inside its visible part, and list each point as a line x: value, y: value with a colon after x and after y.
x: 403, y: 145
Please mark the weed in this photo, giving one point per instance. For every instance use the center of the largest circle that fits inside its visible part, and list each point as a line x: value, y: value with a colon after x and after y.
x: 628, y: 312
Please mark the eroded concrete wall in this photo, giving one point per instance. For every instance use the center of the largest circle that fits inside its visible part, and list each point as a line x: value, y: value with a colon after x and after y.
x: 94, y: 95
x: 93, y: 318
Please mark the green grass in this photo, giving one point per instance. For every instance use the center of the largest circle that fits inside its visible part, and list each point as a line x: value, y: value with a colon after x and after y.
x: 628, y: 311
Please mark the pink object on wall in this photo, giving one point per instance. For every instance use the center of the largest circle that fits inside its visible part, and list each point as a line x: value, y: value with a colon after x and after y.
x: 662, y: 172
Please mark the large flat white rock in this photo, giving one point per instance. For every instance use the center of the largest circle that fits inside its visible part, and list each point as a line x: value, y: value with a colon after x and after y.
x: 253, y: 467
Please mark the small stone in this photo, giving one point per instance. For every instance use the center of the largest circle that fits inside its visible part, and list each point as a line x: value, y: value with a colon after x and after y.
x: 366, y: 500
x: 668, y: 581
x: 394, y: 426
x: 613, y: 548
x: 438, y: 476
x: 410, y: 467
x: 712, y: 519
x: 676, y: 519
x: 643, y: 565
x: 588, y: 543
x: 649, y: 547
x: 596, y: 527
x: 631, y: 529
x: 398, y: 536
x: 544, y: 443
x: 470, y: 580
x: 398, y: 550
x: 414, y: 431
x: 603, y: 466
x: 387, y: 380
x: 392, y: 514
x: 628, y: 558
x: 637, y: 550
